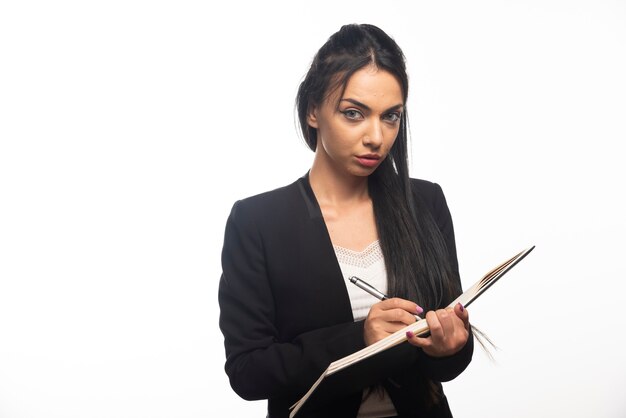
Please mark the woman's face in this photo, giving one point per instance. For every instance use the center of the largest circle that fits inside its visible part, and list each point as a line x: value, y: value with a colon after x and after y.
x: 356, y: 135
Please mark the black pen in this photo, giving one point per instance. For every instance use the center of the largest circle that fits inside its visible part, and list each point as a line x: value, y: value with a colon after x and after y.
x: 368, y: 288
x: 372, y: 290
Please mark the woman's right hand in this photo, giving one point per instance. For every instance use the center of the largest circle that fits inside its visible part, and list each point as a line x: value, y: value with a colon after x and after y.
x: 387, y: 317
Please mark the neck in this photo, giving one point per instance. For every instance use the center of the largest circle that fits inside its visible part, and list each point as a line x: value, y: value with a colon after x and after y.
x: 336, y: 188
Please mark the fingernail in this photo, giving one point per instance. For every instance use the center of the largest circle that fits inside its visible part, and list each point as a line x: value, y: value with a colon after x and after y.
x: 462, y: 308
x: 409, y: 334
x: 419, y: 309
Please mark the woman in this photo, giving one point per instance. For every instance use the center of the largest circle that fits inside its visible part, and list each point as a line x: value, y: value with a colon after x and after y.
x: 287, y: 308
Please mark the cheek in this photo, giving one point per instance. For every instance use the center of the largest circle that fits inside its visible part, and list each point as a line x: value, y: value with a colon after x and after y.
x: 392, y: 138
x: 336, y: 139
x: 334, y: 147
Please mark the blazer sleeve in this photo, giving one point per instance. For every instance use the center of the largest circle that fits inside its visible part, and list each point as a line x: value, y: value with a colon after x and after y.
x: 258, y: 363
x: 443, y: 369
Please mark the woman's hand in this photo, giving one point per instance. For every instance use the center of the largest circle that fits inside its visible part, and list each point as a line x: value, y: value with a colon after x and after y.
x: 449, y: 331
x: 387, y: 317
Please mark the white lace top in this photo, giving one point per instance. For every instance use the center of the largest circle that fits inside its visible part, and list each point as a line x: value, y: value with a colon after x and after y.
x: 368, y: 265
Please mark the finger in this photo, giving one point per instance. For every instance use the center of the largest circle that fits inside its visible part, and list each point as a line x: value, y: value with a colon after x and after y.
x: 454, y: 329
x: 446, y: 318
x: 434, y: 325
x: 399, y: 303
x: 421, y: 342
x: 462, y: 313
x: 397, y: 316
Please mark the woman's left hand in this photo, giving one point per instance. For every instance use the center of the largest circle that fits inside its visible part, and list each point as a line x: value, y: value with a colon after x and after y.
x: 449, y: 331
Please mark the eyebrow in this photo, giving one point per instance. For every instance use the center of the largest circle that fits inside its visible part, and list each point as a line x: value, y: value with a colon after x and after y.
x: 366, y: 107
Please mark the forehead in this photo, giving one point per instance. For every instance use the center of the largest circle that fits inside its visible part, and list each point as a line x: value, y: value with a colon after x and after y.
x: 372, y: 86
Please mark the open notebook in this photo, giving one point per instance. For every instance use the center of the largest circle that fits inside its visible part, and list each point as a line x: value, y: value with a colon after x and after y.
x: 418, y: 328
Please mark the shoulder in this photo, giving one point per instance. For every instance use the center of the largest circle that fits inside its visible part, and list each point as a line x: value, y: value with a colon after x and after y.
x: 269, y: 219
x: 268, y: 198
x: 428, y: 193
x: 268, y: 206
x: 425, y: 187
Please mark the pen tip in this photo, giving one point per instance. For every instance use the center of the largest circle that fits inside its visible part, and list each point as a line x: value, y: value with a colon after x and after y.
x: 352, y: 279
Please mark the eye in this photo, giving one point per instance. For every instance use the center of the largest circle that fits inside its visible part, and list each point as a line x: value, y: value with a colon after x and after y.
x: 352, y: 114
x: 393, y: 117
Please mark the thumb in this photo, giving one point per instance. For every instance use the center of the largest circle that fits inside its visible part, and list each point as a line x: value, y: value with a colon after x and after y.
x: 462, y: 313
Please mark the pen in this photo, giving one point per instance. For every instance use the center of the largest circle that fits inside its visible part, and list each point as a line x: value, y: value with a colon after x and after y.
x: 368, y: 288
x: 372, y: 290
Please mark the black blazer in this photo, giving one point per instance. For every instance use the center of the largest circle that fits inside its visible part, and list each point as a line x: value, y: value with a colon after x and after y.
x: 285, y: 312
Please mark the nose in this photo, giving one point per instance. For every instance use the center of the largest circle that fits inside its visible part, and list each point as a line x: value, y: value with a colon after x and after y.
x: 373, y: 137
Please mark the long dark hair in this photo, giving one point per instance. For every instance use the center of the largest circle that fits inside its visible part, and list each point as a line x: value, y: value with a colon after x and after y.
x: 416, y: 257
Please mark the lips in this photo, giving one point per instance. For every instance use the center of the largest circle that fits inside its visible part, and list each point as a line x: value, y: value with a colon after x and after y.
x: 368, y: 160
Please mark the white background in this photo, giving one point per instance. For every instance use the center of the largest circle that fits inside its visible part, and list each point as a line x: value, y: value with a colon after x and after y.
x: 129, y: 128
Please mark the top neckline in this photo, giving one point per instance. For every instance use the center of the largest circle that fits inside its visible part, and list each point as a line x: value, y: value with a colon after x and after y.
x: 369, y: 248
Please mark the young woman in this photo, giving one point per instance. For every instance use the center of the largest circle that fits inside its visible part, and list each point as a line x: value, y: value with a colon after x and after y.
x: 287, y: 307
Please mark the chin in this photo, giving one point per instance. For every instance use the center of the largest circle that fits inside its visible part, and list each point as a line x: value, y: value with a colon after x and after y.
x: 362, y: 171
